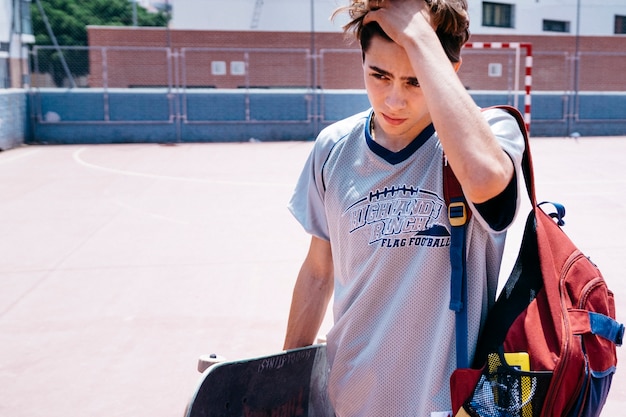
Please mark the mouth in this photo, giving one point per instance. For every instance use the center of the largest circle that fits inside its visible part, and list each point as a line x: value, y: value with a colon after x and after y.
x: 394, y: 121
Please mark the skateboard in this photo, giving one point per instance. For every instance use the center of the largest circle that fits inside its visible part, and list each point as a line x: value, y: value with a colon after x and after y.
x: 288, y: 384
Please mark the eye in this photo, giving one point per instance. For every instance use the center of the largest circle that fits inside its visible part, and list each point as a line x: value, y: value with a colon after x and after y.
x: 413, y: 82
x: 378, y: 76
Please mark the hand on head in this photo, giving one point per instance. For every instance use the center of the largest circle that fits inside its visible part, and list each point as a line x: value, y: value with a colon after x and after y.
x: 401, y: 19
x: 407, y: 21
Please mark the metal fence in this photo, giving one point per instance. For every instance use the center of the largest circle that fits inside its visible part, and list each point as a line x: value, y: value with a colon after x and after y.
x: 563, y: 78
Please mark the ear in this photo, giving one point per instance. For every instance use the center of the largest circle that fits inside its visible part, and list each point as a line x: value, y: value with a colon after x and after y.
x: 457, y: 65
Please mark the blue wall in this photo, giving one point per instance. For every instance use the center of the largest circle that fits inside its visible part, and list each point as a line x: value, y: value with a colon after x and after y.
x: 13, y: 118
x: 162, y: 116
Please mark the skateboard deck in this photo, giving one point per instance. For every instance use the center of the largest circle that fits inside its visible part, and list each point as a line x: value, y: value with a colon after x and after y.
x: 287, y: 384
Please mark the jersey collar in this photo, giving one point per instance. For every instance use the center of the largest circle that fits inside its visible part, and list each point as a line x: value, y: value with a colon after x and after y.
x: 402, y: 155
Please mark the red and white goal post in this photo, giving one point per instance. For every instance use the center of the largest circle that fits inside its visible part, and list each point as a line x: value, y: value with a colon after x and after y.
x: 517, y: 46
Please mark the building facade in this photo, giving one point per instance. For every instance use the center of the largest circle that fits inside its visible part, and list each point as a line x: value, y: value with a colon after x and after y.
x: 502, y: 17
x: 15, y: 36
x: 548, y: 17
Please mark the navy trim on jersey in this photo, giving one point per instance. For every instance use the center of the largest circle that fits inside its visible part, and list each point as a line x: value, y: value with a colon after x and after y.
x: 396, y: 157
x: 499, y: 212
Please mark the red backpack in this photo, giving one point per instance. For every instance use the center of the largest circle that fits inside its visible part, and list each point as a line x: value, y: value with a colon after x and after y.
x: 548, y: 347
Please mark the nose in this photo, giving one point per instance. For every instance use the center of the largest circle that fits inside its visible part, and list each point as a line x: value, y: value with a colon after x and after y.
x: 396, y: 97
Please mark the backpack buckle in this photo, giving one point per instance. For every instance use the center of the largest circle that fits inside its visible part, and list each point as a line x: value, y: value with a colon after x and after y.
x: 457, y: 213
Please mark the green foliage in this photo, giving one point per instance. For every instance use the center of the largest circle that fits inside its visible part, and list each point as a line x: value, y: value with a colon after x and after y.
x: 69, y: 20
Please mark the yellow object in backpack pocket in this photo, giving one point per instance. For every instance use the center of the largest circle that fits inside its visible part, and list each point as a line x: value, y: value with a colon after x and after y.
x: 519, y: 387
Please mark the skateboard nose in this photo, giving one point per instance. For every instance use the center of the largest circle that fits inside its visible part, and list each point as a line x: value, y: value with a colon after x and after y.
x: 206, y: 361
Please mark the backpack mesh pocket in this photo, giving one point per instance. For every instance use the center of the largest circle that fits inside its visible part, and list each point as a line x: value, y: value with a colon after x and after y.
x: 505, y: 390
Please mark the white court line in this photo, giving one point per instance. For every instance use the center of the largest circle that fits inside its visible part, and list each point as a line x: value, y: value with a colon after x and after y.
x: 78, y: 158
x: 19, y: 155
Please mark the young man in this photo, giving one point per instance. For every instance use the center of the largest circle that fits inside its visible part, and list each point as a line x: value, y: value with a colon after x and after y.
x: 371, y: 196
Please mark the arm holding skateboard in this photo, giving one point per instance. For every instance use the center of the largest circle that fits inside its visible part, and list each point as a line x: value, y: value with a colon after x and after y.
x: 311, y: 295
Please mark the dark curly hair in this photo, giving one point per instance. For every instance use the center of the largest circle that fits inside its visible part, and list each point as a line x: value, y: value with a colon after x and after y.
x: 450, y: 17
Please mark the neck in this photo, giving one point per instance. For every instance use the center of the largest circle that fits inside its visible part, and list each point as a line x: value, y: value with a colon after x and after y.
x: 391, y: 142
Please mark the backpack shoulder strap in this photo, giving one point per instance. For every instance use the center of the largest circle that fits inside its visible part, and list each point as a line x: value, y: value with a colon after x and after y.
x: 459, y: 216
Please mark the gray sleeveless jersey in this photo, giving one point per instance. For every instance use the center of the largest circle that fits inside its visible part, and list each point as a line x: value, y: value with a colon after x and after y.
x: 392, y: 346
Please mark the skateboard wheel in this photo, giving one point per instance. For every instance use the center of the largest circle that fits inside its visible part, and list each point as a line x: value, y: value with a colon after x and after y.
x: 206, y: 361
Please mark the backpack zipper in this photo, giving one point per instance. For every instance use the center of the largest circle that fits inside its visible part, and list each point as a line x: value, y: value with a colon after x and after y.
x: 587, y: 289
x: 585, y: 293
x: 565, y: 346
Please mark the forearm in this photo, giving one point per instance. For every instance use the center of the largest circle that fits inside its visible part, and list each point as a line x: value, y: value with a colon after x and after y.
x: 308, y: 308
x: 472, y: 150
x: 311, y: 295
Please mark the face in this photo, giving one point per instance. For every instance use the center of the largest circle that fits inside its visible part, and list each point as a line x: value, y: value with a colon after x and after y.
x: 394, y: 93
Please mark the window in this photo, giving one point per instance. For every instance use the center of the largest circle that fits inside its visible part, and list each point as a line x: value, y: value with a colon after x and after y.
x: 21, y: 17
x: 620, y: 24
x: 237, y: 68
x: 494, y: 69
x: 555, y: 26
x: 26, y: 24
x: 498, y: 15
x: 218, y: 67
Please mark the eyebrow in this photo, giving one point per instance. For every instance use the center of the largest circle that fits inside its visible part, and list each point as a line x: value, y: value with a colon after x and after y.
x: 390, y: 75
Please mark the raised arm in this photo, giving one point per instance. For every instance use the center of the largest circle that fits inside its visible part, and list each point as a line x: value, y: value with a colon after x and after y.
x: 482, y: 167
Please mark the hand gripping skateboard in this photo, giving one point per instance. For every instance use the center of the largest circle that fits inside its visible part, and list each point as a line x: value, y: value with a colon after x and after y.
x: 288, y: 384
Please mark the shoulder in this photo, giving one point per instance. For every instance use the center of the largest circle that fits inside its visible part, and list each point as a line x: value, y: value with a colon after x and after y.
x: 501, y: 120
x: 337, y: 131
x: 334, y: 136
x: 506, y: 129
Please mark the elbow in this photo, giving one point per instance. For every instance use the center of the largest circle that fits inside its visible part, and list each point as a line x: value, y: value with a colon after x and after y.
x: 489, y: 183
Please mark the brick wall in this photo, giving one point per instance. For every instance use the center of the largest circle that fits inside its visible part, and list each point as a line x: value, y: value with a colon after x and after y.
x: 337, y: 63
x: 602, y: 63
